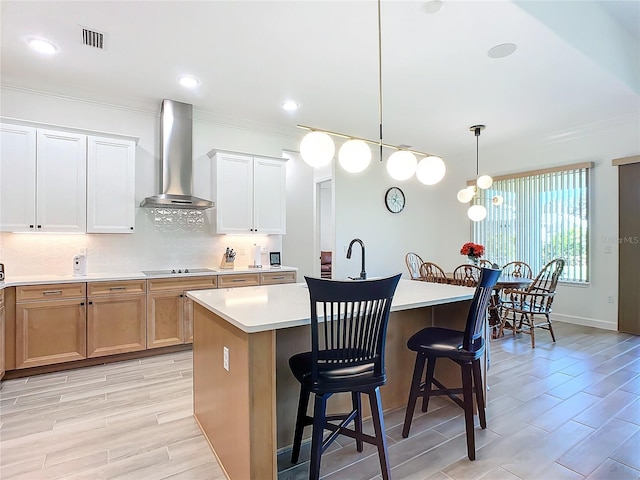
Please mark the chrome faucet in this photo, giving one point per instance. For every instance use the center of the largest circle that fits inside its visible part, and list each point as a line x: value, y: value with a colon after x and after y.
x: 363, y: 273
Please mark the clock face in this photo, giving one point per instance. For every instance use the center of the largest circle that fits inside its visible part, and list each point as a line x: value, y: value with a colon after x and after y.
x: 394, y: 200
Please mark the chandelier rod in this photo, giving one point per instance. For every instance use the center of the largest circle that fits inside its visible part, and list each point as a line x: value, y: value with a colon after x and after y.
x: 372, y: 142
x: 380, y: 76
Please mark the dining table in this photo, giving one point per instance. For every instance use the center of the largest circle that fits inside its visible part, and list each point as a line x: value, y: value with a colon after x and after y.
x: 504, y: 282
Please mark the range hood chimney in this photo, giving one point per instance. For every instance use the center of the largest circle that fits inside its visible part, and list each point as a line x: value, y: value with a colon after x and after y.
x: 176, y: 159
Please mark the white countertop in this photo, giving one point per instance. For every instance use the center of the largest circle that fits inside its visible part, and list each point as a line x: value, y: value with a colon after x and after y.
x: 271, y: 307
x: 12, y: 281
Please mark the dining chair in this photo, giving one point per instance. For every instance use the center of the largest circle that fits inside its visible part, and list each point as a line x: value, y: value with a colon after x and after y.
x: 466, y: 275
x: 464, y: 348
x: 484, y: 263
x: 348, y: 335
x: 431, y: 272
x: 531, y: 302
x: 517, y: 269
x: 413, y: 262
x: 325, y: 264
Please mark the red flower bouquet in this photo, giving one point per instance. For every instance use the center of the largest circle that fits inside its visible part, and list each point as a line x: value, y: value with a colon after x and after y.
x: 472, y: 250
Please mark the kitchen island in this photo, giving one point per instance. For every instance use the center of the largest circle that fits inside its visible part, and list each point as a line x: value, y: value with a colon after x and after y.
x: 245, y: 396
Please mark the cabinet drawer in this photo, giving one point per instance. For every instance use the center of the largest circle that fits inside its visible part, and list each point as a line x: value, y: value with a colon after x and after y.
x: 277, y: 277
x: 184, y: 283
x: 116, y: 287
x: 51, y: 291
x: 239, y: 280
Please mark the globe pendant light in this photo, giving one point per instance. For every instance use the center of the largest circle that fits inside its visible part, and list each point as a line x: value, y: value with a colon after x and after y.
x: 477, y: 213
x: 354, y: 156
x: 401, y: 165
x: 317, y: 149
x: 430, y: 170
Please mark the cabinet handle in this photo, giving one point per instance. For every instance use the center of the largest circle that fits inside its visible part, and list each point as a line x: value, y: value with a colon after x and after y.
x: 30, y: 226
x: 238, y: 280
x: 90, y: 303
x: 278, y: 278
x: 39, y: 226
x: 82, y: 304
x: 117, y: 288
x: 182, y: 295
x: 131, y: 228
x: 52, y: 292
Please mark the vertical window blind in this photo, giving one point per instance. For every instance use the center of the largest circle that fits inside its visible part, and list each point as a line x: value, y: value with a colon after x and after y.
x: 545, y: 215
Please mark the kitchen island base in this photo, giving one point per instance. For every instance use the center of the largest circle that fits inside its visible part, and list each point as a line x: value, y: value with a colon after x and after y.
x: 248, y: 412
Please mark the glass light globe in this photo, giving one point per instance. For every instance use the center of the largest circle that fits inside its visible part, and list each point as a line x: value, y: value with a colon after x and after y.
x: 477, y: 213
x: 484, y: 181
x: 401, y: 165
x: 465, y: 195
x: 497, y: 200
x: 317, y: 149
x: 430, y: 170
x: 354, y: 156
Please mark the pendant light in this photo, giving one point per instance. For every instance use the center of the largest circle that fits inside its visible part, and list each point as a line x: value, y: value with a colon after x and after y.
x: 317, y: 148
x: 477, y: 212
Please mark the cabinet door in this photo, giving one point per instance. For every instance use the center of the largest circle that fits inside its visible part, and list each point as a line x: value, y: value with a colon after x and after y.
x: 165, y: 324
x: 61, y: 182
x: 233, y: 185
x: 17, y: 178
x: 188, y: 320
x: 269, y: 195
x: 110, y: 185
x: 50, y: 332
x: 116, y: 324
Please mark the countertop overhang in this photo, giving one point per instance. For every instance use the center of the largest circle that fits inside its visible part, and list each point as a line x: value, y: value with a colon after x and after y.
x: 272, y: 307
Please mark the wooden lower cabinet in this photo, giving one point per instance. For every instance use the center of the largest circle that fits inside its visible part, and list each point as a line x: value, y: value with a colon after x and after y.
x: 50, y: 332
x: 170, y: 312
x: 116, y: 317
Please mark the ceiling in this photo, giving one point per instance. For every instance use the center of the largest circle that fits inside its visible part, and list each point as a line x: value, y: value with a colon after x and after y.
x: 577, y: 65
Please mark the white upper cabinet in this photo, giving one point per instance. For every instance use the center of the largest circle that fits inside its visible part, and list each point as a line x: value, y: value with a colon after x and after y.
x: 17, y: 178
x: 61, y: 181
x: 111, y: 204
x: 250, y: 193
x: 65, y: 181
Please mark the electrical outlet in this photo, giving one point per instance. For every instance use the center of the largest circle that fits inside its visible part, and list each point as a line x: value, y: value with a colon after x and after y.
x: 225, y: 358
x: 610, y: 299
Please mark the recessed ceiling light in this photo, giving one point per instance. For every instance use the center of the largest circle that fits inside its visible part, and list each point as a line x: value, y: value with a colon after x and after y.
x: 290, y: 105
x: 188, y: 81
x: 433, y: 6
x: 503, y: 50
x: 42, y: 46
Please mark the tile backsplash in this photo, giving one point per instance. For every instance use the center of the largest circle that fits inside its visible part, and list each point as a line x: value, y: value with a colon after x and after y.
x: 152, y: 246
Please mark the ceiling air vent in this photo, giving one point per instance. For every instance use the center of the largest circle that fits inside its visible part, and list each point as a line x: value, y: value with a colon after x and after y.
x: 91, y: 38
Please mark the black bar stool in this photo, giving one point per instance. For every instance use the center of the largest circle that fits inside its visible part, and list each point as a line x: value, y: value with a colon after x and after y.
x: 463, y: 347
x: 348, y: 333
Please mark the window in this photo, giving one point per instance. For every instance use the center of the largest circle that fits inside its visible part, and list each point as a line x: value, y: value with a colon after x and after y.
x: 545, y: 215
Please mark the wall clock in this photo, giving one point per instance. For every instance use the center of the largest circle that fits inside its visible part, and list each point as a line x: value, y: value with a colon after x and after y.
x: 394, y: 200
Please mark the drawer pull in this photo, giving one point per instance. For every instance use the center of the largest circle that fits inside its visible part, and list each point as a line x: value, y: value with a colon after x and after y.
x: 52, y: 292
x: 117, y: 288
x: 278, y: 278
x: 238, y: 280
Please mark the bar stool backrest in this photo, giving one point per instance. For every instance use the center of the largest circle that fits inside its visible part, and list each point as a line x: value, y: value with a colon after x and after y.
x: 478, y: 311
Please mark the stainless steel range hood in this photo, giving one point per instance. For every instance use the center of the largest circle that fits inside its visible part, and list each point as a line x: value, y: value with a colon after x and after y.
x: 176, y: 159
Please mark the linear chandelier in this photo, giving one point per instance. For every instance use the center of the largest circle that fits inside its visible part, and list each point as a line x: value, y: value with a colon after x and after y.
x: 317, y: 148
x: 477, y: 212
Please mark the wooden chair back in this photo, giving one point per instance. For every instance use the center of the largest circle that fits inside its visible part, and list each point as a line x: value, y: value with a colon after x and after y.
x: 484, y: 263
x: 477, y: 316
x: 413, y: 262
x: 466, y: 275
x: 430, y: 272
x: 518, y: 269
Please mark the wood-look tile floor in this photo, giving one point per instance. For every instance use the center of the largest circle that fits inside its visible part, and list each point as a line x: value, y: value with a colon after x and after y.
x: 569, y: 410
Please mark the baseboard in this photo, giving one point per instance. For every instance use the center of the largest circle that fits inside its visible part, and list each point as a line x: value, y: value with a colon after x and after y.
x: 586, y: 322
